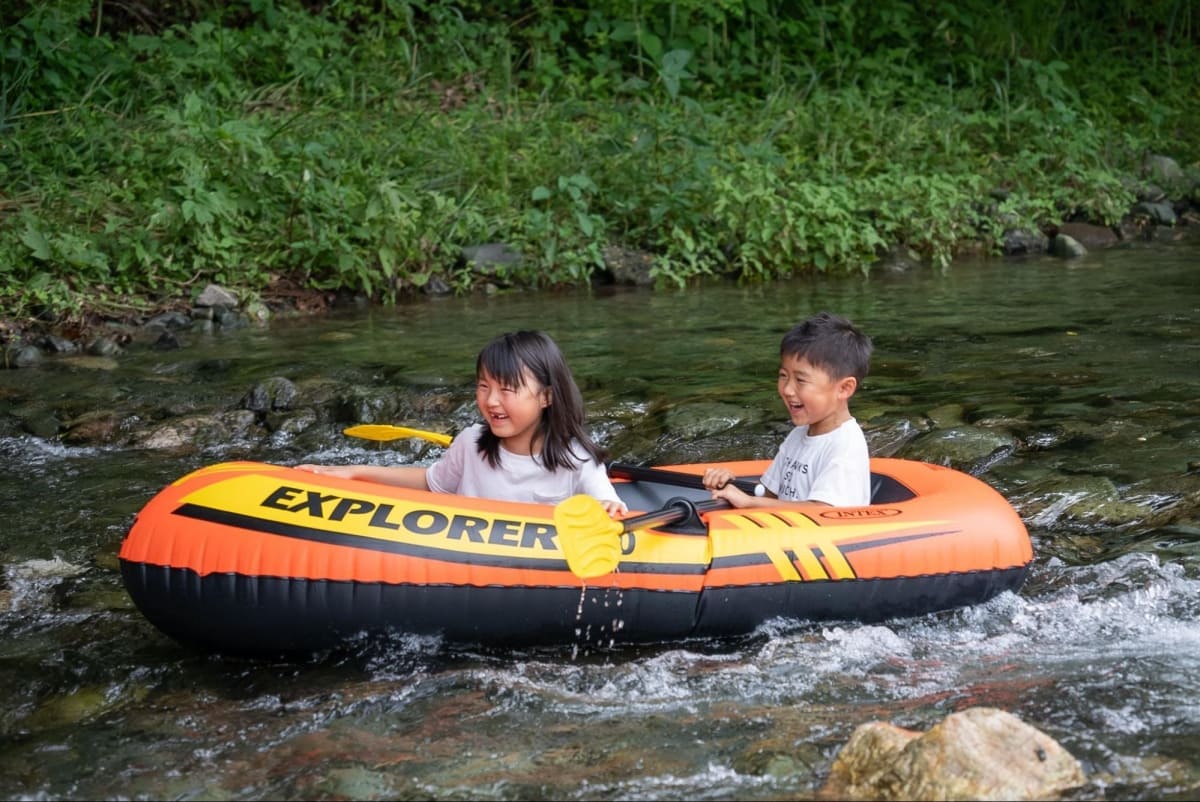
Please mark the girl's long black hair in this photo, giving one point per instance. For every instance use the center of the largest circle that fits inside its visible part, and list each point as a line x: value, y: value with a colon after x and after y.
x: 505, y: 359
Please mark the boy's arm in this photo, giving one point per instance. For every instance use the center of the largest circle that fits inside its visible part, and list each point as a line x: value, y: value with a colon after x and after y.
x: 740, y: 499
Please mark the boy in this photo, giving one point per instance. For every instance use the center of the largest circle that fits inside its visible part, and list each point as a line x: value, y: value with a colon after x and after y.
x: 824, y: 460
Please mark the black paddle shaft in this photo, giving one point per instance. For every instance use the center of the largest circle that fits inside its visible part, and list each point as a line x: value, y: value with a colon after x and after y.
x: 662, y: 476
x: 676, y: 510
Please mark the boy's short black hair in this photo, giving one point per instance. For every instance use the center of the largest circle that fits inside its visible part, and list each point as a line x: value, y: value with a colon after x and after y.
x: 830, y: 342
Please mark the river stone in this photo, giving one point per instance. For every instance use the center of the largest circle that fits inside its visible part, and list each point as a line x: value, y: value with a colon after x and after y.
x: 186, y: 434
x: 104, y: 347
x: 39, y: 422
x: 356, y: 782
x: 1161, y: 213
x: 981, y: 753
x: 946, y: 416
x: 1162, y: 169
x: 22, y: 356
x: 1067, y: 247
x: 90, y: 362
x: 289, y: 422
x: 692, y: 421
x: 59, y: 345
x: 629, y: 266
x: 217, y: 296
x: 1090, y: 235
x: 170, y: 320
x: 93, y: 428
x: 1017, y: 242
x: 965, y: 448
x: 275, y: 392
x: 888, y: 438
x: 368, y: 405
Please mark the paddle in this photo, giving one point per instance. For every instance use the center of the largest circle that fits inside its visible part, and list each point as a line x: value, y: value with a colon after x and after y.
x: 591, y: 540
x: 384, y: 432
x: 636, y: 473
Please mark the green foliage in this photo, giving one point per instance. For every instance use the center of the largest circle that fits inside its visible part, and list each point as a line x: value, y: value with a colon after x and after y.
x: 363, y: 143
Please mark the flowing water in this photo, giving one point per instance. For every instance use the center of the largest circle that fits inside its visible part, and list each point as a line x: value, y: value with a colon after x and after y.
x: 1090, y: 367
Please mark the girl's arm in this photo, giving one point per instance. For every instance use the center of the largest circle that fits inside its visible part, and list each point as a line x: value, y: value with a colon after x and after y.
x: 401, y: 476
x: 593, y: 480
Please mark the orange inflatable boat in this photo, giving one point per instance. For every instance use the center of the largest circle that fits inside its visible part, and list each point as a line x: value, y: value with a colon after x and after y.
x: 253, y: 557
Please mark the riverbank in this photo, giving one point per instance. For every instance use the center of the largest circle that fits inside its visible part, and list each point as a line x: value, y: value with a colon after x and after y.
x: 287, y: 152
x: 102, y: 329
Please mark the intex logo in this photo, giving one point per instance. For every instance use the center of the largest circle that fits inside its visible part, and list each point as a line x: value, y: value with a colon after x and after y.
x: 865, y: 512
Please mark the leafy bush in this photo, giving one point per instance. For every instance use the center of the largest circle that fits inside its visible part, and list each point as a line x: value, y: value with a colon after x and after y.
x: 362, y: 145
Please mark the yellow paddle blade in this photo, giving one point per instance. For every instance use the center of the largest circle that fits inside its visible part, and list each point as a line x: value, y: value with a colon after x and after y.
x: 384, y: 432
x: 589, y: 539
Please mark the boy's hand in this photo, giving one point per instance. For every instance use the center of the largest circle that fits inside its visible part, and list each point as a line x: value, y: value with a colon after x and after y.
x: 716, y: 478
x: 734, y: 495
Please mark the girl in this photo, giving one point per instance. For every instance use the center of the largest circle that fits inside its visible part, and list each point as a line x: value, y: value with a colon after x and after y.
x: 532, y: 445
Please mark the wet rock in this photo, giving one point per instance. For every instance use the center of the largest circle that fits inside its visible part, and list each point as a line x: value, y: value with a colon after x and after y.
x: 356, y: 782
x: 1080, y: 500
x: 167, y: 341
x: 59, y: 345
x: 38, y: 421
x: 778, y: 756
x: 270, y: 394
x: 85, y: 362
x: 97, y: 427
x: 629, y: 266
x: 437, y: 286
x: 30, y: 583
x: 888, y: 438
x: 1017, y: 242
x: 188, y: 433
x: 69, y: 710
x: 258, y: 312
x: 1067, y: 247
x: 291, y: 423
x: 1162, y: 214
x: 228, y: 317
x: 1184, y: 509
x: 170, y: 320
x: 21, y: 356
x: 981, y: 753
x: 947, y: 415
x: 368, y: 405
x: 1090, y: 236
x: 693, y: 421
x: 103, y: 346
x: 215, y: 296
x: 967, y: 448
x: 1162, y: 169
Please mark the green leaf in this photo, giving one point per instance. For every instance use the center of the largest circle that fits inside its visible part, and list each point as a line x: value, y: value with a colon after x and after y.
x: 36, y: 242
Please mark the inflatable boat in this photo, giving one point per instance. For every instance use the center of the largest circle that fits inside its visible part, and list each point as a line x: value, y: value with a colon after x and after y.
x: 248, y: 557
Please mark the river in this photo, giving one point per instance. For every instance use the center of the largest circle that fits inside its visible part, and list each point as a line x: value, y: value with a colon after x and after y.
x: 1089, y: 368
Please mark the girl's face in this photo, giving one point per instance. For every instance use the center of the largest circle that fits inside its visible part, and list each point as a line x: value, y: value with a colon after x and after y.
x: 813, y: 397
x: 512, y: 413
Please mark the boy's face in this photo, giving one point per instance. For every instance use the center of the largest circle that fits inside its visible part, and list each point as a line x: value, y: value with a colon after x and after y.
x: 814, y: 397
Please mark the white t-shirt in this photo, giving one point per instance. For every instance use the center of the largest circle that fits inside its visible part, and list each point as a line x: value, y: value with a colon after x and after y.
x: 463, y: 470
x: 834, y: 467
